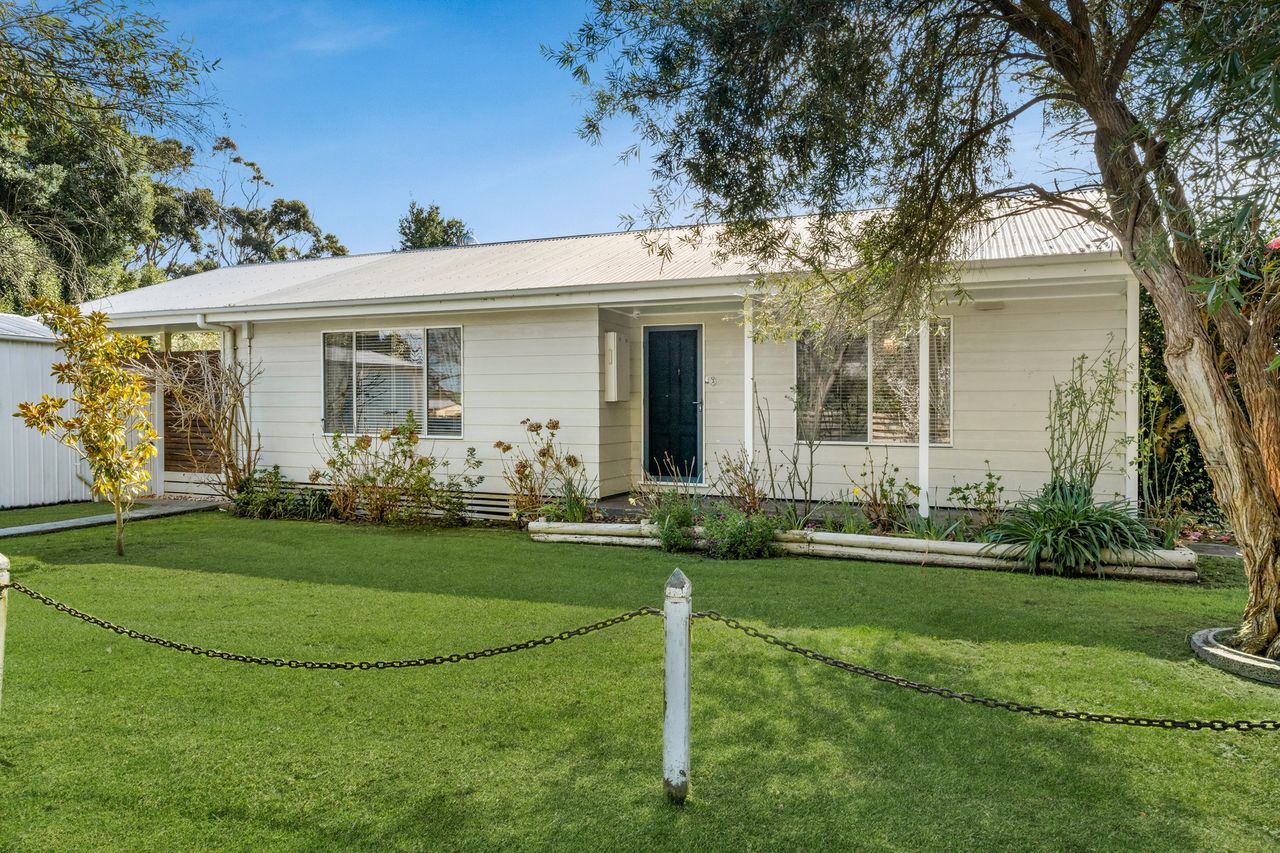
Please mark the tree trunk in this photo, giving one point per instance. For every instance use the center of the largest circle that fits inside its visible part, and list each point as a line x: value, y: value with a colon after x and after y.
x: 119, y: 527
x: 1236, y: 463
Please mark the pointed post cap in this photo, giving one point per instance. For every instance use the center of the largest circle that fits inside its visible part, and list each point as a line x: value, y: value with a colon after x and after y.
x: 4, y: 563
x: 678, y: 585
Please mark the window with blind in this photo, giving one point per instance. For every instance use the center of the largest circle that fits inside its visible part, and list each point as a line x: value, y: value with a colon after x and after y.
x: 864, y: 388
x: 373, y: 380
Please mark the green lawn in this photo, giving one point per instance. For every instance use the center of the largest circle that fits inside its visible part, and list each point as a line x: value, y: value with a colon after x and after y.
x: 55, y: 512
x: 110, y: 744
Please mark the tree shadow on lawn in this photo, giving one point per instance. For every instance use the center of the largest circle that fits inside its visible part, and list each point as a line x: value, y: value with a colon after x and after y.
x: 802, y: 758
x: 1153, y: 620
x: 786, y: 755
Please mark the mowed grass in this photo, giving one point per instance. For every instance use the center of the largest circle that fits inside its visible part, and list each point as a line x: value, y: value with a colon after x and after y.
x: 110, y: 744
x: 56, y: 512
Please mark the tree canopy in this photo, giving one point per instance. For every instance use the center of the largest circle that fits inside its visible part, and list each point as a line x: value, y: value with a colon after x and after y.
x: 755, y: 110
x: 76, y: 79
x: 426, y: 228
x: 1163, y: 117
x: 101, y: 120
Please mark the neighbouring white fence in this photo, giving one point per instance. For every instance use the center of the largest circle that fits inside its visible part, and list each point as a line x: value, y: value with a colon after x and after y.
x: 34, y: 469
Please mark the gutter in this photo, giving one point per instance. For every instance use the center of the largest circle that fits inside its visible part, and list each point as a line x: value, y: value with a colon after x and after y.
x: 246, y: 331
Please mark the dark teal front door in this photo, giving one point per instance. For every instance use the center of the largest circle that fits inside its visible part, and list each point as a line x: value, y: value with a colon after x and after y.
x: 673, y: 403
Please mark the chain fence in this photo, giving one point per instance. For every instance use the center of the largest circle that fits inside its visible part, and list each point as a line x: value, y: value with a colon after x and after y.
x: 986, y: 701
x: 332, y: 664
x: 707, y: 615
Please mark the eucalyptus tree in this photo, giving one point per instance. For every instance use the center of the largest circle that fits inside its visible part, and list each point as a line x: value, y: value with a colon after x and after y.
x: 78, y: 80
x: 1165, y: 114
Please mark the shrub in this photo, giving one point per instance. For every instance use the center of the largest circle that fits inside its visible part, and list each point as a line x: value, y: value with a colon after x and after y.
x: 886, y: 501
x: 919, y: 527
x: 1081, y: 409
x: 985, y: 499
x: 1062, y: 524
x: 544, y: 478
x: 844, y: 517
x: 382, y: 478
x: 733, y: 535
x: 267, y: 494
x: 674, y: 513
x: 740, y: 481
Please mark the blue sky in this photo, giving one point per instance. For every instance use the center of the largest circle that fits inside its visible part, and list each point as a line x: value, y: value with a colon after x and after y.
x: 356, y: 108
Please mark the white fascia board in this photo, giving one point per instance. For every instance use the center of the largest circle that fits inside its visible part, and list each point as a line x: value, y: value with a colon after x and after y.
x: 1098, y: 268
x: 691, y: 290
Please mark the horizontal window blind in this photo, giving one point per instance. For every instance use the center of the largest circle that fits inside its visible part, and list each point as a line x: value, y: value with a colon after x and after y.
x: 374, y: 379
x: 831, y: 389
x: 339, y: 379
x: 865, y: 389
x: 444, y: 382
x: 388, y: 379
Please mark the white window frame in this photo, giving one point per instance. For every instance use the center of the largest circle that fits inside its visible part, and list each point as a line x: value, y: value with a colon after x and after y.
x: 871, y: 366
x: 426, y: 362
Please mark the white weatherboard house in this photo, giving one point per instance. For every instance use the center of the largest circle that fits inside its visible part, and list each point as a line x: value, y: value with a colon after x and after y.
x: 641, y: 357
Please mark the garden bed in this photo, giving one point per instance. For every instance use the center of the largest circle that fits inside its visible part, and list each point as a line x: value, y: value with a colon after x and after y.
x: 1211, y: 646
x: 1176, y: 565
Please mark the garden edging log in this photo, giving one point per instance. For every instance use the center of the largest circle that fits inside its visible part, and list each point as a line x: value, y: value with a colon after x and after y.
x: 1177, y: 565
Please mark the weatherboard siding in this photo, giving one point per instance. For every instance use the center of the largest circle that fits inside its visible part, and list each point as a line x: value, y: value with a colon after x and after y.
x: 1005, y: 363
x: 549, y: 363
x: 515, y: 365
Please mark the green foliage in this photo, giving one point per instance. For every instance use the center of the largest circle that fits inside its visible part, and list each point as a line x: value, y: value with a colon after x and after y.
x: 425, y: 228
x: 1081, y: 409
x: 75, y: 191
x: 574, y: 502
x: 73, y: 204
x: 845, y: 517
x: 545, y: 478
x: 917, y: 526
x: 195, y: 228
x: 106, y: 419
x: 674, y: 513
x: 985, y: 499
x: 735, y: 535
x: 1063, y: 525
x: 383, y: 479
x: 885, y: 500
x: 1173, y: 479
x: 267, y: 494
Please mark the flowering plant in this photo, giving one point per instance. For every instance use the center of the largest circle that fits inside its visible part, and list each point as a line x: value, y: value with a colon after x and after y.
x: 544, y: 478
x: 383, y: 478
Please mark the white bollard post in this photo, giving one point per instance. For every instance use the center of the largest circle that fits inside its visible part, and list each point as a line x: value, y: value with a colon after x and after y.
x: 675, y: 724
x: 4, y: 614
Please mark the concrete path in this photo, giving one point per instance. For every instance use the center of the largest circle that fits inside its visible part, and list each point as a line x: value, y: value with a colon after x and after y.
x: 158, y: 508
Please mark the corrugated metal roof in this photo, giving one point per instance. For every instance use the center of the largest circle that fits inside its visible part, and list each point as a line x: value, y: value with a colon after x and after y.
x: 13, y: 327
x: 529, y: 265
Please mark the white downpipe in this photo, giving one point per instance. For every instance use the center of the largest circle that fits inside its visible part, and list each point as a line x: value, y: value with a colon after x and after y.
x: 228, y: 333
x: 922, y: 476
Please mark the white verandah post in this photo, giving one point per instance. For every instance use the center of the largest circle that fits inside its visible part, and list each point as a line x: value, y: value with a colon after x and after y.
x: 748, y: 381
x: 675, y: 693
x: 922, y: 475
